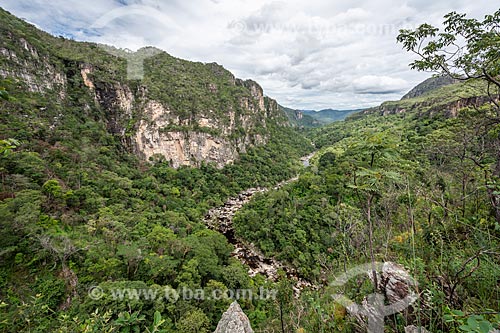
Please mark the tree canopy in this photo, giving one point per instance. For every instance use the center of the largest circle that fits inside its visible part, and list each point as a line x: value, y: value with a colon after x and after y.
x: 466, y: 48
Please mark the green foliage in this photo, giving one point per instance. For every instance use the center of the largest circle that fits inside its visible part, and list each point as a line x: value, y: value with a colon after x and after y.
x: 78, y: 209
x: 424, y: 179
x: 4, y: 94
x: 127, y: 323
x: 472, y: 323
x: 466, y: 46
x: 6, y: 146
x: 194, y: 322
x: 52, y: 189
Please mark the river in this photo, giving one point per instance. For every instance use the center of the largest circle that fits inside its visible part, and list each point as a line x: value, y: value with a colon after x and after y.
x: 221, y: 220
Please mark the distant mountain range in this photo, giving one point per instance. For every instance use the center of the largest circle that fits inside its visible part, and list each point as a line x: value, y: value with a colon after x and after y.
x: 327, y: 116
x: 312, y: 118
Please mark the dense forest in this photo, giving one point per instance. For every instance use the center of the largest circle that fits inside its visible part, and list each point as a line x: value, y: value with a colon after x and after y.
x: 413, y: 182
x: 429, y: 208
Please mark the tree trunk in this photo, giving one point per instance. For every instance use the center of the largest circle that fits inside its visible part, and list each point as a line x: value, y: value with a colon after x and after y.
x: 495, y: 198
x: 370, y: 235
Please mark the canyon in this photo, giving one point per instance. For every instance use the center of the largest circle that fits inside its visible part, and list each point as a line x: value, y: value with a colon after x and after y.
x: 221, y: 219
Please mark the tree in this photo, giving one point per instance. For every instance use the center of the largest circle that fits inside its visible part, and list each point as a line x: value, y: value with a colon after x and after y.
x: 4, y: 94
x: 52, y: 189
x: 6, y: 146
x: 466, y: 49
x: 371, y: 174
x: 193, y: 322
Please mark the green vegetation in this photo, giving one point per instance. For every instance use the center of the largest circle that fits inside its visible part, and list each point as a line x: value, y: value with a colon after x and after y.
x: 432, y: 83
x: 82, y: 217
x: 421, y: 183
x: 438, y: 101
x: 79, y: 211
x: 298, y: 119
x: 417, y: 186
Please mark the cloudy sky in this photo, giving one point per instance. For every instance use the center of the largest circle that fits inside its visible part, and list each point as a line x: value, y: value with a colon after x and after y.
x: 310, y: 54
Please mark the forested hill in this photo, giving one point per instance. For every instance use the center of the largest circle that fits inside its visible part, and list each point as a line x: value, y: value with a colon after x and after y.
x: 99, y: 185
x: 181, y: 111
x: 445, y: 100
x: 411, y: 187
x: 429, y: 85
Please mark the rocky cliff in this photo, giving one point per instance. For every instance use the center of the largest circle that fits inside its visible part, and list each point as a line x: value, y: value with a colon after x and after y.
x: 446, y: 100
x: 183, y: 112
x: 434, y: 107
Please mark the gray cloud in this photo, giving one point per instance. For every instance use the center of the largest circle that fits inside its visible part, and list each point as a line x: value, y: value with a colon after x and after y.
x: 312, y: 55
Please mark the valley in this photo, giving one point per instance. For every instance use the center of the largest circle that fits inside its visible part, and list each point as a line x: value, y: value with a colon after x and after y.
x: 221, y: 219
x: 118, y: 191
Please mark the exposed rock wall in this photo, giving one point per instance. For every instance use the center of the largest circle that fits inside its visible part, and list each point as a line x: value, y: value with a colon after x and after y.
x: 29, y: 67
x: 202, y: 137
x: 431, y: 107
x: 189, y: 141
x: 234, y: 114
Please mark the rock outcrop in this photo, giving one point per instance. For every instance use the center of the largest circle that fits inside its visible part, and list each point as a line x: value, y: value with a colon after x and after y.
x: 394, y: 294
x: 190, y: 141
x: 234, y: 320
x: 182, y: 112
x: 163, y: 132
x: 395, y: 282
x: 34, y: 70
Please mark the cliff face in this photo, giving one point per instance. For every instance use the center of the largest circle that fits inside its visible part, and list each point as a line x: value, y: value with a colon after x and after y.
x: 184, y: 112
x: 431, y: 107
x: 202, y: 138
x: 205, y: 135
x: 446, y: 100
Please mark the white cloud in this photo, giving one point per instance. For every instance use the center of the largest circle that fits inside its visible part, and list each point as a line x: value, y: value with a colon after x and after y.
x: 372, y: 84
x: 315, y: 54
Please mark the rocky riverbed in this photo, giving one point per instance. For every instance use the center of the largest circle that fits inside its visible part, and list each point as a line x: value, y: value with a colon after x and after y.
x: 221, y: 219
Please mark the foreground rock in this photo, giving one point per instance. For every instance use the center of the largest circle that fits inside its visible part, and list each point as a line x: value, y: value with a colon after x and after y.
x: 234, y: 320
x: 394, y: 294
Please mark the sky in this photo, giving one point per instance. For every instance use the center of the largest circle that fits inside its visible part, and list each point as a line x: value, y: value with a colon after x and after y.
x: 313, y: 54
